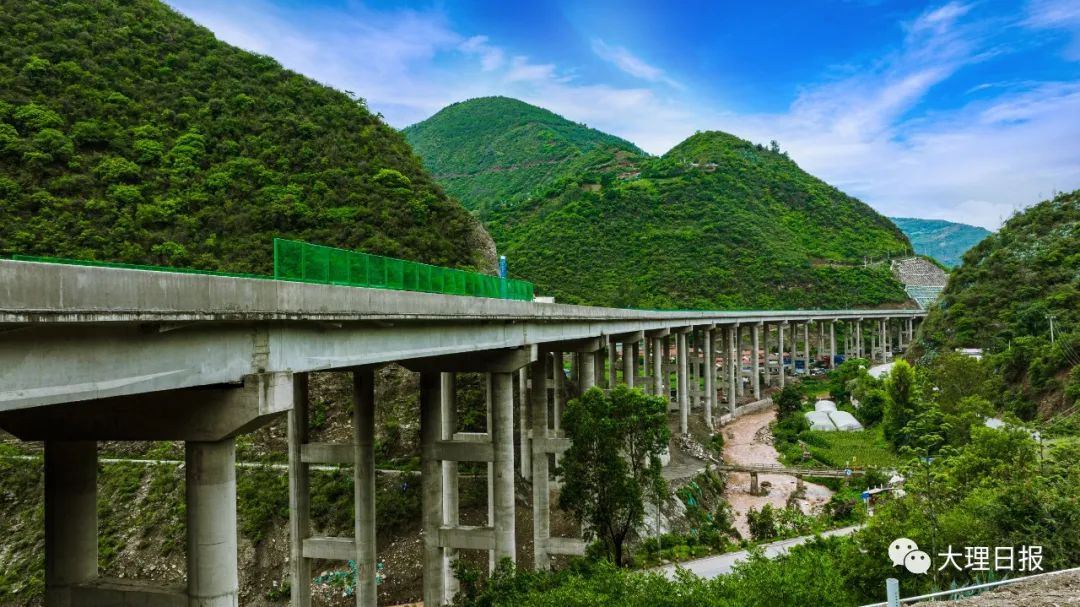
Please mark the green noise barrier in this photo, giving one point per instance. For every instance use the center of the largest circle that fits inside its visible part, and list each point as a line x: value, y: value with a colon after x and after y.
x: 305, y: 262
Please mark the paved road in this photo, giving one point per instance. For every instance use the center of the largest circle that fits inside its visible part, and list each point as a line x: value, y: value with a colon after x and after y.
x: 722, y: 564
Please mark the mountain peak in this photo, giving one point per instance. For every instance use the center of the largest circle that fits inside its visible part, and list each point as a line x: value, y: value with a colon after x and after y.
x: 491, y: 151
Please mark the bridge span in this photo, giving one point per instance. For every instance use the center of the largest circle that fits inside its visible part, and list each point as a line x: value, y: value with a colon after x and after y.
x: 90, y: 354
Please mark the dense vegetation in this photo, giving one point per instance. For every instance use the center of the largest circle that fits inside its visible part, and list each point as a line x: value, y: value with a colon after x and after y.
x: 717, y: 222
x: 945, y: 241
x: 1002, y: 298
x: 495, y: 151
x: 128, y: 133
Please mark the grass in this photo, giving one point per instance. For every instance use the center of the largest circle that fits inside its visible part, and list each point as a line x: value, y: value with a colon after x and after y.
x: 866, y: 448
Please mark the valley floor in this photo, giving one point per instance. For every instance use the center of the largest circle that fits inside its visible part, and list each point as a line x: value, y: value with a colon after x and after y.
x: 747, y: 440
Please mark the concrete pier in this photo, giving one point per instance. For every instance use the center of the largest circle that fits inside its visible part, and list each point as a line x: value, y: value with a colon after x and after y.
x: 734, y: 365
x: 71, y: 542
x: 299, y: 494
x: 832, y: 344
x: 524, y: 448
x: 684, y: 392
x: 806, y: 347
x: 780, y: 353
x: 366, y: 545
x: 213, y: 579
x: 755, y: 358
x: 710, y: 376
x: 502, y: 440
x: 540, y: 474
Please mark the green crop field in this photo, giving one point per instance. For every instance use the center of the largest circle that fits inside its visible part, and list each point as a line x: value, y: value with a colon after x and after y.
x: 857, y: 449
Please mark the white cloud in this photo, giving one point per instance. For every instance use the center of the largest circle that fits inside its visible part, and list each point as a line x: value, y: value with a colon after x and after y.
x: 522, y: 70
x: 630, y: 63
x: 491, y: 58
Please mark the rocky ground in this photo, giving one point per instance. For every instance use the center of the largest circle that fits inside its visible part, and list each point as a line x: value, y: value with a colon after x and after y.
x: 1045, y: 591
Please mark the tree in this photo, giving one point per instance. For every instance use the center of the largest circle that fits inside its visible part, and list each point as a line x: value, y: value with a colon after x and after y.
x: 762, y: 522
x: 788, y: 401
x: 900, y: 408
x: 614, y: 458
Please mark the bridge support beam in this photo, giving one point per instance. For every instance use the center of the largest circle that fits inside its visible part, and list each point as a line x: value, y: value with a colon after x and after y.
x: 710, y: 375
x: 71, y: 543
x: 832, y: 344
x: 755, y: 358
x: 806, y: 348
x: 684, y: 384
x: 213, y: 578
x: 780, y: 353
x: 734, y: 369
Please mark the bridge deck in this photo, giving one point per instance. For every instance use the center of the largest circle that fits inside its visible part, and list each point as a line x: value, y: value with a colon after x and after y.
x: 71, y: 333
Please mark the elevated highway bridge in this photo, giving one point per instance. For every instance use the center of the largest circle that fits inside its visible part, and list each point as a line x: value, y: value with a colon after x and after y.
x: 90, y: 354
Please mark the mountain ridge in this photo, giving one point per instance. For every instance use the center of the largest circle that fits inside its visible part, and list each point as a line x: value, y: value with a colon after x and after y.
x: 945, y: 241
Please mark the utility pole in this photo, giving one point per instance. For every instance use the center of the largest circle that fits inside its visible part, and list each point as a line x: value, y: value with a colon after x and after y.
x: 1051, y: 317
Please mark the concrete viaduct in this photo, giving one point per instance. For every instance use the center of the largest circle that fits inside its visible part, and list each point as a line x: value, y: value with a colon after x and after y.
x: 90, y: 354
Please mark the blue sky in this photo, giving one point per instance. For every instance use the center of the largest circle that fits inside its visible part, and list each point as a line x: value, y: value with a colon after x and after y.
x: 955, y: 110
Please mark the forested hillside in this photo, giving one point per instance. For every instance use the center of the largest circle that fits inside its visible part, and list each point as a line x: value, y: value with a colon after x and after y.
x: 128, y: 133
x: 1004, y: 296
x: 945, y: 241
x: 718, y: 222
x: 495, y: 151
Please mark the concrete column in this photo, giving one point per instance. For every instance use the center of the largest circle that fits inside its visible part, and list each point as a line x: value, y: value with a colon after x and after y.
x: 430, y: 481
x: 502, y: 438
x: 780, y: 353
x: 693, y: 367
x: 658, y: 367
x: 71, y: 542
x: 451, y: 510
x: 684, y: 402
x: 612, y: 374
x: 556, y: 396
x: 740, y: 388
x: 588, y: 370
x: 299, y: 495
x: 755, y: 358
x: 832, y: 344
x: 489, y: 399
x: 710, y: 378
x: 523, y: 424
x: 733, y: 369
x: 635, y: 352
x: 858, y: 339
x: 213, y: 579
x: 794, y: 346
x: 628, y: 364
x: 806, y: 347
x: 364, y: 483
x: 646, y: 366
x: 541, y: 490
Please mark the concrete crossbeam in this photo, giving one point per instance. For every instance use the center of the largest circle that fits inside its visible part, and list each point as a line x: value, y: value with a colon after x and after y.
x: 330, y: 548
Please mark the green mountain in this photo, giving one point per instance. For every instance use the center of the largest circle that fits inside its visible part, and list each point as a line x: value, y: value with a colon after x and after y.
x: 128, y: 133
x: 493, y: 151
x: 945, y: 241
x: 716, y: 222
x: 1003, y: 295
